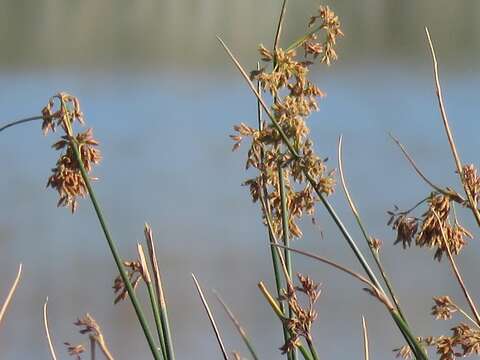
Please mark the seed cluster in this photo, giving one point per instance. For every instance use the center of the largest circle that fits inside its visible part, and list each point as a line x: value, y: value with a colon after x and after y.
x: 300, y: 323
x: 63, y: 110
x: 434, y: 229
x: 294, y: 98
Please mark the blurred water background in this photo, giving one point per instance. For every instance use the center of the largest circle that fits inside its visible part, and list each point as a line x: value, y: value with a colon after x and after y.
x: 163, y: 97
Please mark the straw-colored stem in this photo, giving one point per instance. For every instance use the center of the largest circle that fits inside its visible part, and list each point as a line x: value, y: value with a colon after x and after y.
x: 47, y: 331
x: 468, y: 317
x: 165, y: 324
x: 210, y: 317
x: 456, y: 157
x: 11, y: 292
x: 116, y: 257
x: 366, y: 348
x: 457, y: 273
x: 238, y: 326
x: 106, y: 352
x: 450, y: 193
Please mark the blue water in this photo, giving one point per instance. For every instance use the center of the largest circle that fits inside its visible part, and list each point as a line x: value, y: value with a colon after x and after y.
x: 167, y: 160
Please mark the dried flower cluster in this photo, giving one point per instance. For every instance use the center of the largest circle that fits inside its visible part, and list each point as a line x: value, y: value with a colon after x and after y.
x: 300, y: 323
x: 435, y: 224
x: 62, y: 111
x: 89, y: 326
x: 464, y: 341
x: 135, y: 274
x: 75, y: 350
x: 294, y: 99
x: 331, y: 24
x: 444, y: 308
x: 472, y: 181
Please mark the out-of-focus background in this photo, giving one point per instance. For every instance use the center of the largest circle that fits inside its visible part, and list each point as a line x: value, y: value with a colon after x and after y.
x: 162, y: 97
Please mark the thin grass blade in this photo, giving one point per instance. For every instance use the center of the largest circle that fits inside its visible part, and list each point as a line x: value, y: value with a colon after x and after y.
x: 210, y: 317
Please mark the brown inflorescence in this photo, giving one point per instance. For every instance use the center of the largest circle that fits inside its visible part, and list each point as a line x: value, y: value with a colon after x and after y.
x: 433, y: 229
x: 66, y: 176
x: 444, y: 308
x: 74, y: 350
x: 472, y: 181
x: 135, y: 274
x: 464, y: 341
x: 300, y: 323
x: 294, y: 99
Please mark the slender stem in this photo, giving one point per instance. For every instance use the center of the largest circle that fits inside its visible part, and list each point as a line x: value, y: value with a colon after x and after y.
x: 452, y: 194
x: 453, y: 148
x: 311, y: 346
x: 47, y: 331
x: 468, y: 317
x: 302, y: 39
x: 11, y: 292
x: 210, y: 317
x: 366, y: 348
x: 266, y: 209
x: 18, y: 122
x: 238, y: 326
x: 279, y: 25
x: 156, y: 315
x: 160, y: 294
x: 93, y: 348
x: 116, y: 257
x: 457, y: 273
x: 363, y: 229
x: 306, y: 355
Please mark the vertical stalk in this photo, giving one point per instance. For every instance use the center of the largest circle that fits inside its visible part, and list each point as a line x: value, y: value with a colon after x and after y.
x: 312, y: 349
x: 116, y: 256
x: 165, y: 324
x: 158, y: 323
x: 273, y: 252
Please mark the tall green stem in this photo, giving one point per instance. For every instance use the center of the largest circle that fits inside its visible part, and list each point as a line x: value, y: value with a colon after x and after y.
x: 116, y: 257
x: 158, y: 323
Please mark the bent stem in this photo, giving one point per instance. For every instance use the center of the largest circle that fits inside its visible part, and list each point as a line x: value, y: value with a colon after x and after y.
x: 21, y: 121
x: 116, y: 256
x: 47, y: 331
x: 11, y: 292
